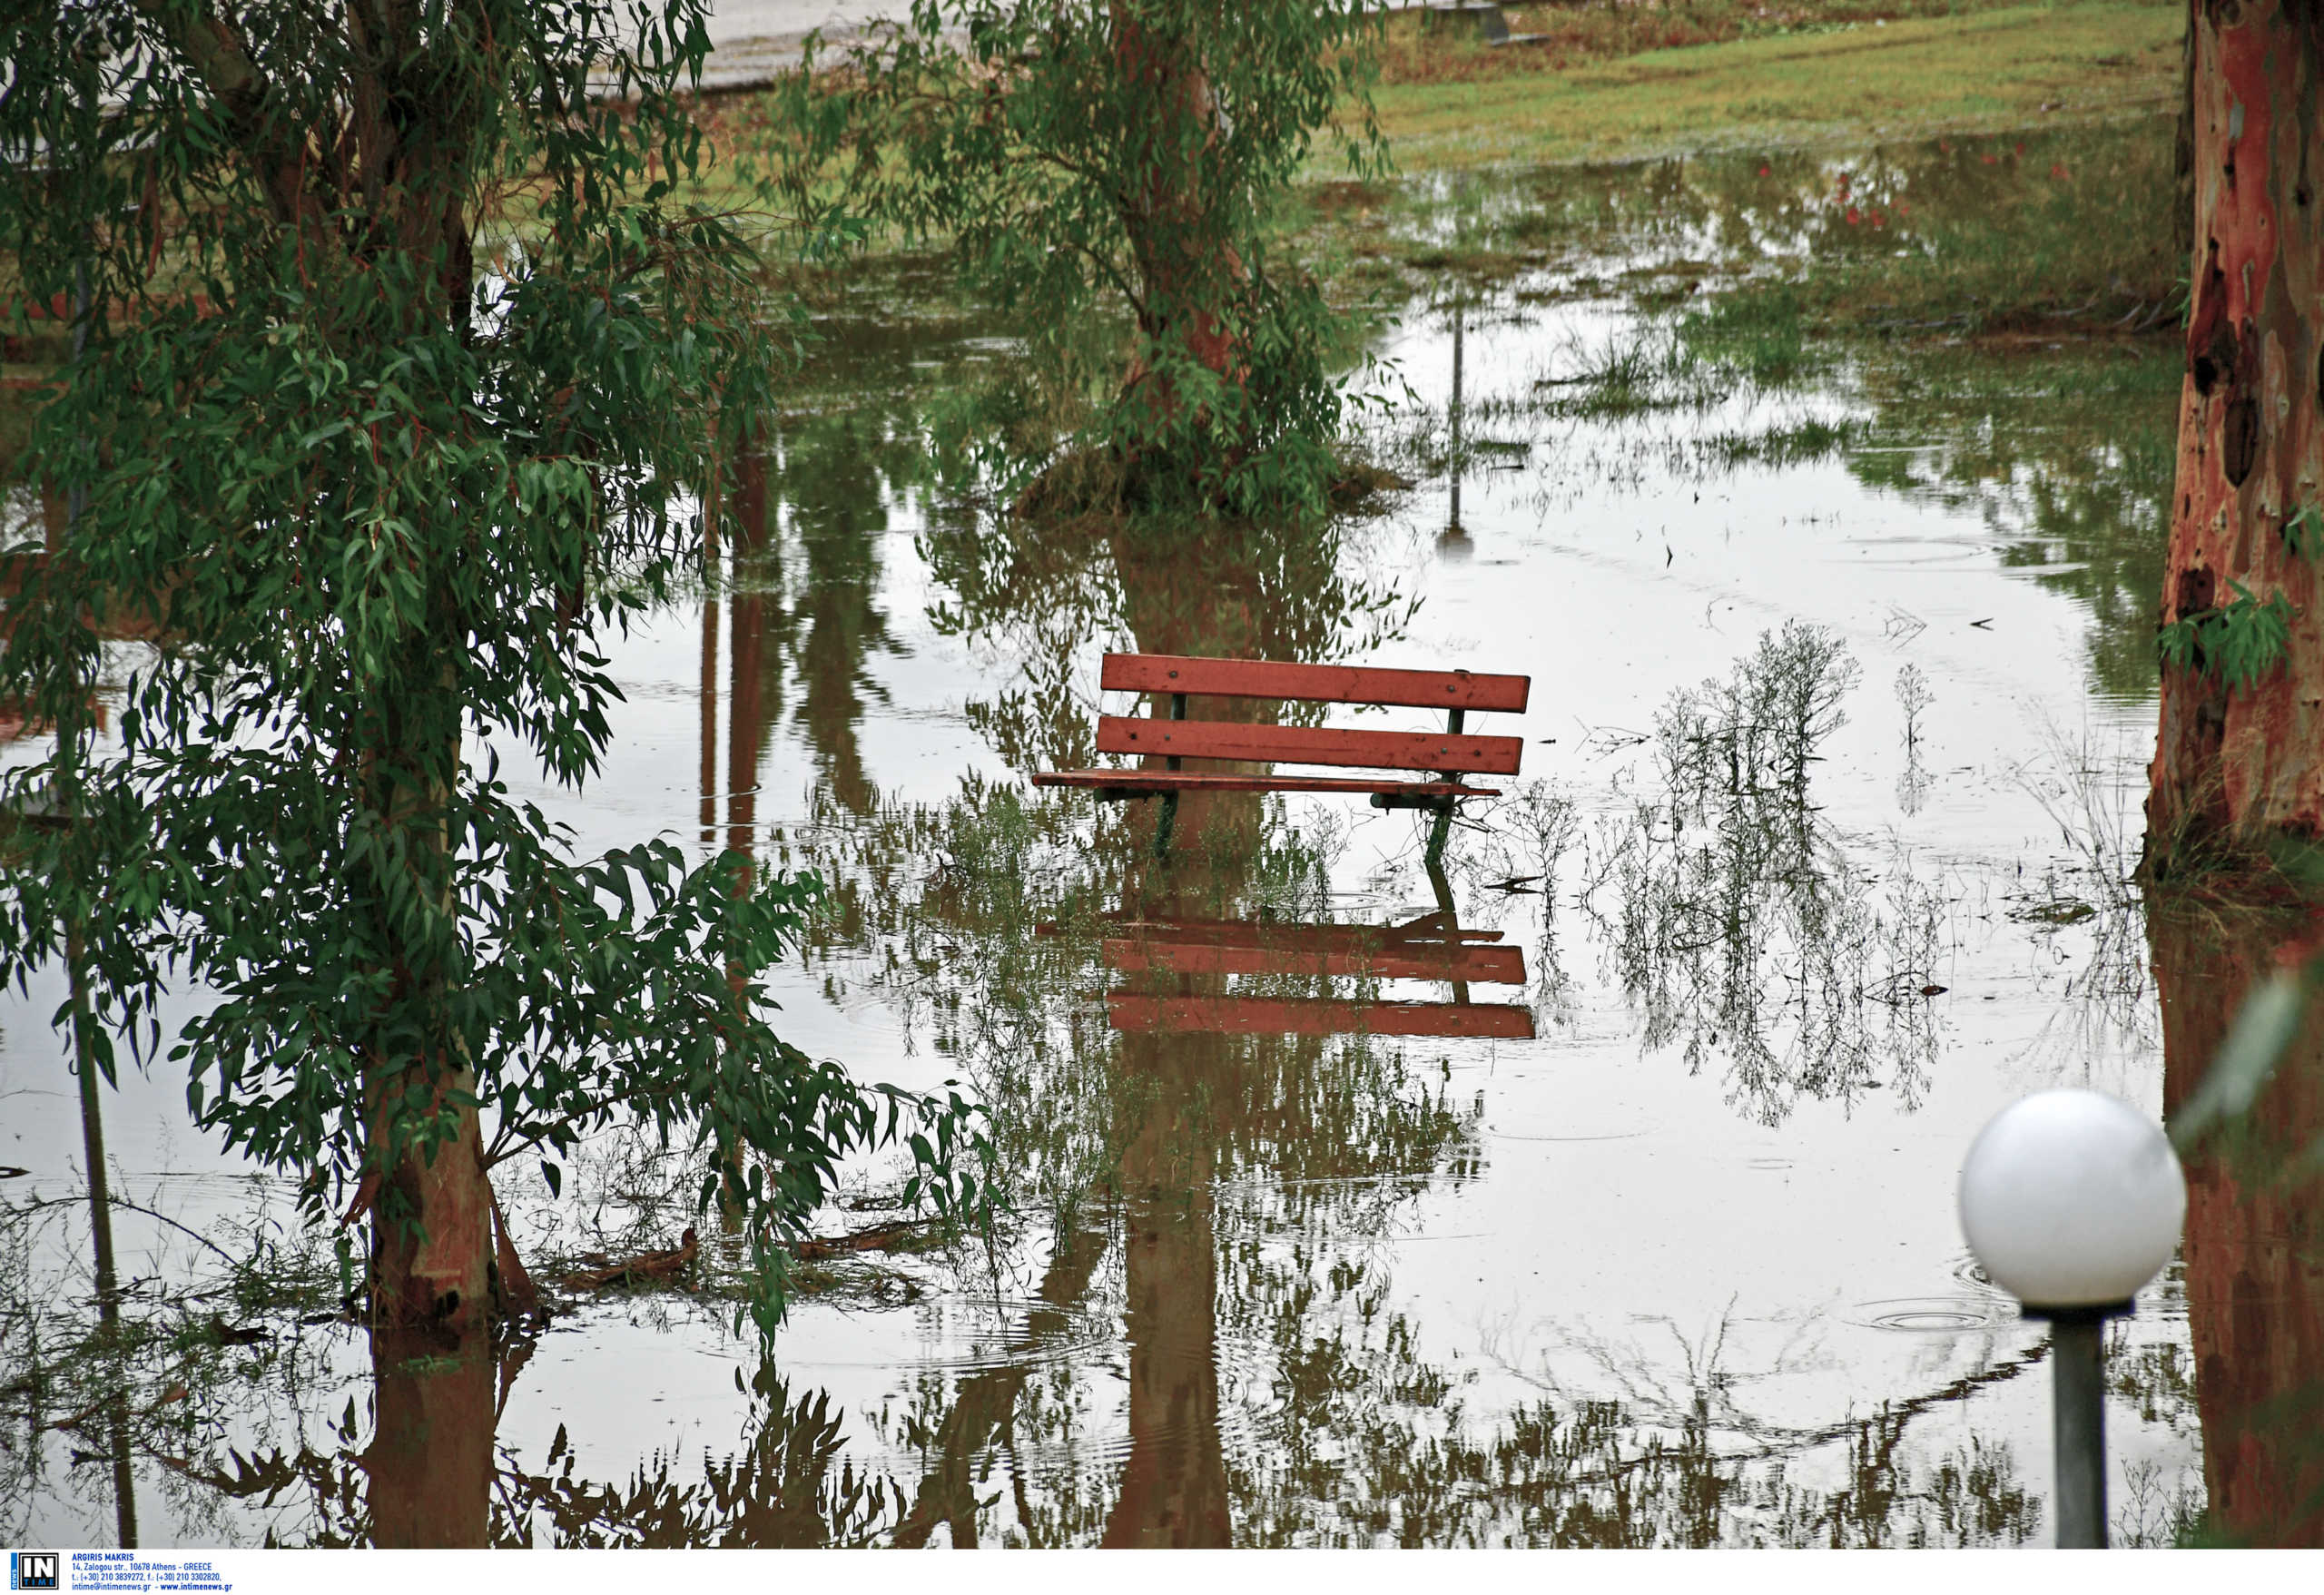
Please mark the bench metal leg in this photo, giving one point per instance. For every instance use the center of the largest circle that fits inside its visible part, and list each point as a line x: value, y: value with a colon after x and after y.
x: 1447, y: 917
x: 1437, y: 835
x: 1454, y: 722
x: 1169, y: 822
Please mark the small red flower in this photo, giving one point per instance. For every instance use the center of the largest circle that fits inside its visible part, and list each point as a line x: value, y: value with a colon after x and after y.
x: 1853, y: 217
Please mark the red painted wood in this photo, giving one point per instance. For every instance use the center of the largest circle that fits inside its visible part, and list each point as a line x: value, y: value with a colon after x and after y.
x: 1425, y: 931
x: 1489, y: 966
x: 1160, y: 781
x: 1259, y: 1015
x: 1305, y: 745
x: 1314, y: 683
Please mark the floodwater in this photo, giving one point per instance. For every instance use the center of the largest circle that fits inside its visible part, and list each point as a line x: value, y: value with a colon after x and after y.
x: 1599, y: 1192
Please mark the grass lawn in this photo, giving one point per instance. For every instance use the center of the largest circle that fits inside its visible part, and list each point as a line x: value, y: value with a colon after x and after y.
x: 1988, y: 70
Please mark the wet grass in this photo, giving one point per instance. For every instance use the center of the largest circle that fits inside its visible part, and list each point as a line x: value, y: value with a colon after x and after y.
x: 1696, y: 360
x: 1550, y: 37
x: 2061, y: 227
x: 1761, y: 336
x: 2012, y: 235
x: 1990, y: 70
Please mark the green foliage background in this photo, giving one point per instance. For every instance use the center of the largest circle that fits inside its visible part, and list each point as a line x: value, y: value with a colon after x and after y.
x: 1089, y: 166
x: 373, y: 503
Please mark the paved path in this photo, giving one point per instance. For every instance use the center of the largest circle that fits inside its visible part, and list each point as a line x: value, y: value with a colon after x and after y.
x: 752, y: 38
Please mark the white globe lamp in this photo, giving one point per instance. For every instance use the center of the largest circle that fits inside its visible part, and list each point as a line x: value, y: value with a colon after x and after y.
x: 2072, y: 1201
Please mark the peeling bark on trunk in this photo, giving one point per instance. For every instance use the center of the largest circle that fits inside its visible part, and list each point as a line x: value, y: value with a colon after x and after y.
x: 432, y: 1237
x: 2247, y: 763
x: 2254, y: 1241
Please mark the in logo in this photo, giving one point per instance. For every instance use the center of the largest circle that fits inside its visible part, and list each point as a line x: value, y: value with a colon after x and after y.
x: 33, y: 1570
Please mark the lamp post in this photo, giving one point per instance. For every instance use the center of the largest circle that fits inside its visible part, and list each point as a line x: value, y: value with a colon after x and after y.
x: 2072, y: 1201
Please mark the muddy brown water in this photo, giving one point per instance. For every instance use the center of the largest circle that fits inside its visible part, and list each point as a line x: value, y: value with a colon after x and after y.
x: 1643, y: 1234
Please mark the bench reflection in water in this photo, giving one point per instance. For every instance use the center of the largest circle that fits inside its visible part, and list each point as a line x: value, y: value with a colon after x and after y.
x: 1430, y: 948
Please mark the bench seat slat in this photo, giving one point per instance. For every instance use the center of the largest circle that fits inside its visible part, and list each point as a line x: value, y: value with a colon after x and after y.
x: 1308, y: 744
x: 1314, y: 683
x: 1137, y: 1011
x: 1158, y: 781
x: 1487, y: 966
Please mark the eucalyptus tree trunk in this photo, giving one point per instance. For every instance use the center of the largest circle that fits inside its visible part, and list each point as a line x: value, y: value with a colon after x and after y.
x: 392, y: 189
x: 2240, y: 750
x: 432, y: 1210
x: 1187, y: 269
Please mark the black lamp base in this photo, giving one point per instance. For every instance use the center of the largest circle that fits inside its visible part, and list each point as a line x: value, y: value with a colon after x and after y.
x: 2081, y: 1315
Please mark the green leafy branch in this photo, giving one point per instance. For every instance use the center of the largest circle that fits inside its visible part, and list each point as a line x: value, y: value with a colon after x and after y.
x: 2239, y: 642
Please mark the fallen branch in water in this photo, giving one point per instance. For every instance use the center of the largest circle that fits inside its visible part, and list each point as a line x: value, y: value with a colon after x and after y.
x: 878, y: 1238
x: 649, y: 1267
x: 640, y: 1269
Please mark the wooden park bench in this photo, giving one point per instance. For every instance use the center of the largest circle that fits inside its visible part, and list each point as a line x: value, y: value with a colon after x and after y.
x: 1448, y: 757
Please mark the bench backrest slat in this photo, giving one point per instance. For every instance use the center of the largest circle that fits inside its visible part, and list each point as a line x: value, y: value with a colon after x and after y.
x: 1428, y: 931
x: 1304, y: 744
x: 1314, y: 683
x: 1135, y: 1011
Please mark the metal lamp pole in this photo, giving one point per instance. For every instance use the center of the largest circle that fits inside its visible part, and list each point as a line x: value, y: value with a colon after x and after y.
x: 2078, y: 1420
x: 2072, y: 1202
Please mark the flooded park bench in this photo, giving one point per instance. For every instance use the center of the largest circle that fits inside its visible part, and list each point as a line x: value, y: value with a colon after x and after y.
x: 1449, y: 756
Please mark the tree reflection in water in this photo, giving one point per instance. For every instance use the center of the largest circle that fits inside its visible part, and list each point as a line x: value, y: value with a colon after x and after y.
x: 2253, y: 1248
x: 434, y: 1473
x: 1147, y: 1127
x: 1281, y: 1389
x: 1278, y: 1391
x: 1739, y: 927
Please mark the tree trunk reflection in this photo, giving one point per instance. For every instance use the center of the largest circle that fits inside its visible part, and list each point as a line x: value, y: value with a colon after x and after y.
x: 430, y: 1461
x: 2254, y: 1242
x: 1173, y: 1488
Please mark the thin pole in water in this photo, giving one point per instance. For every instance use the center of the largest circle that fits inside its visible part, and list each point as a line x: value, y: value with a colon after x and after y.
x: 85, y: 1058
x: 2078, y: 1351
x: 1455, y: 419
